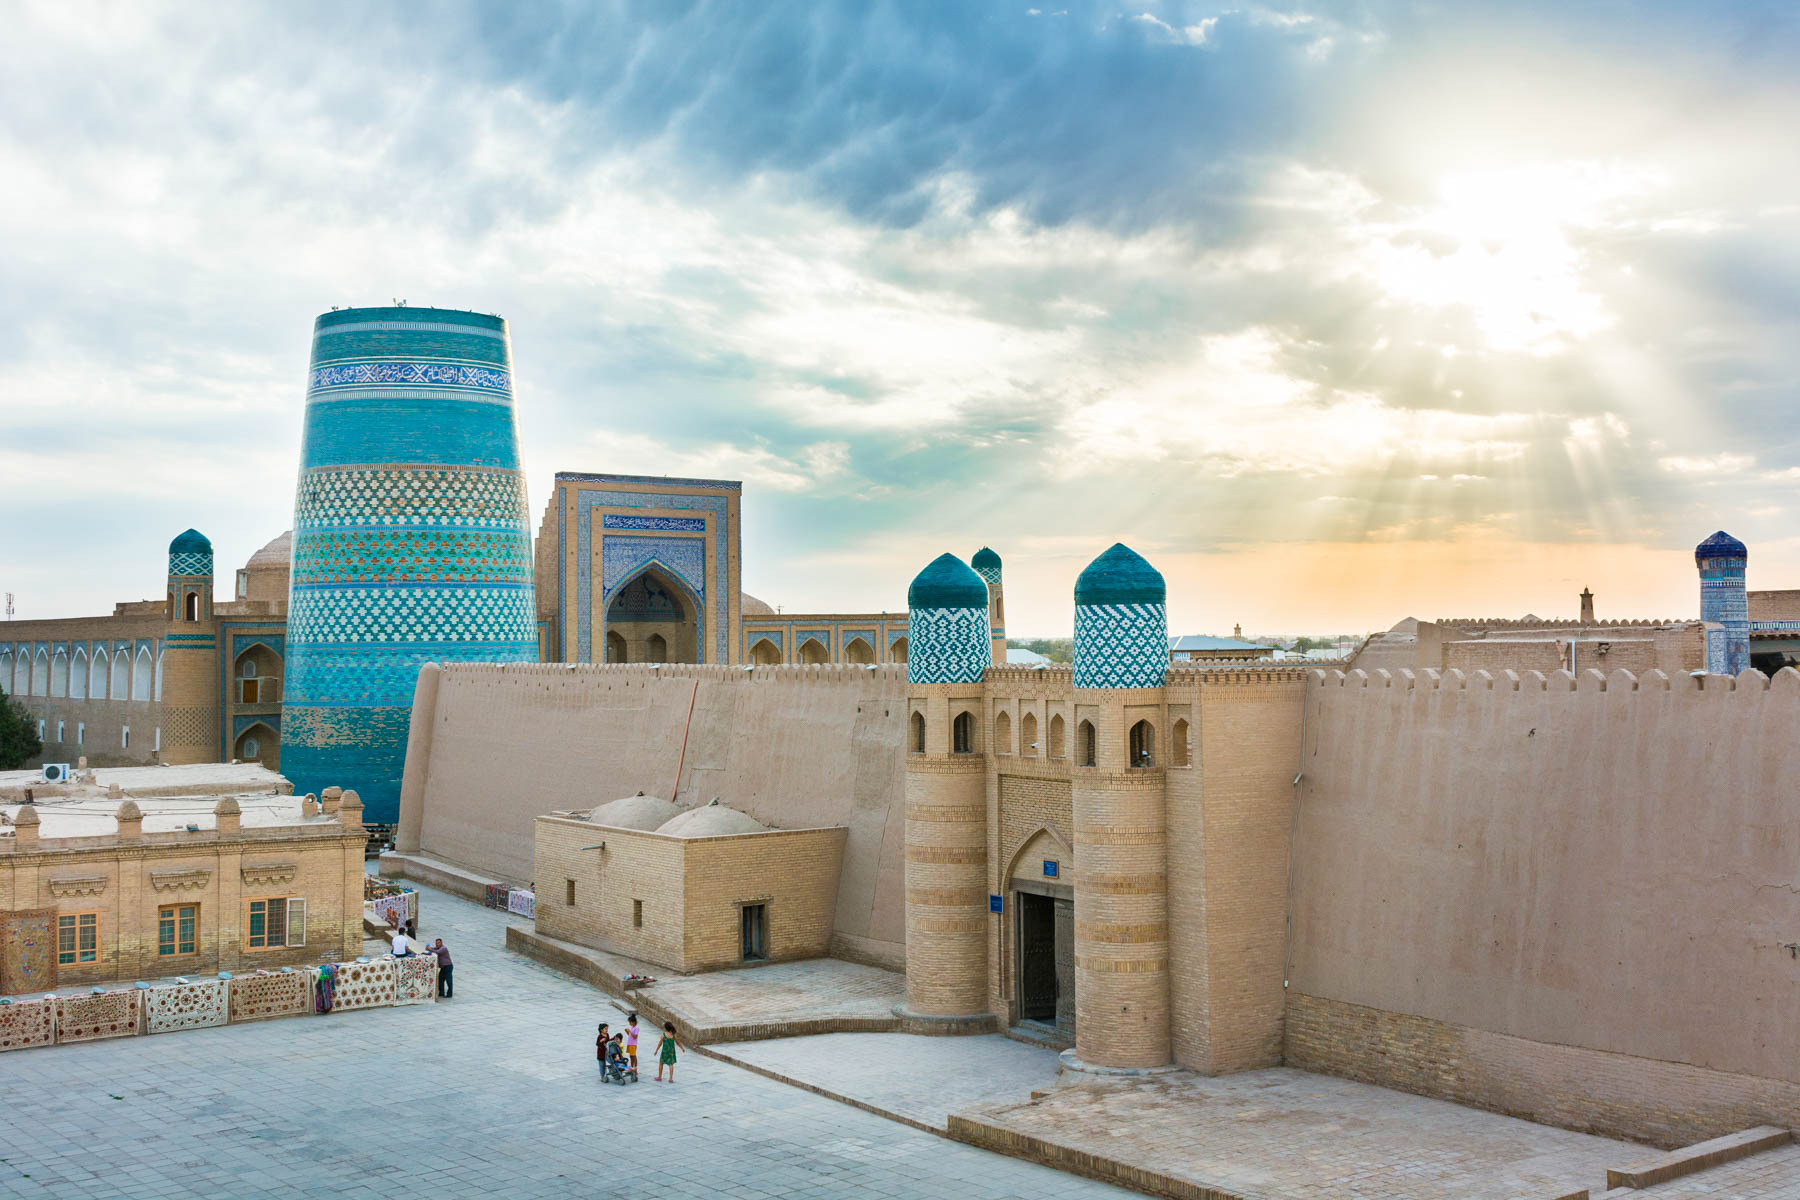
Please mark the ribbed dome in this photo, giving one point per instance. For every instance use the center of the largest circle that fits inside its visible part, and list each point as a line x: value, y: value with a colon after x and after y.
x: 1120, y: 576
x: 750, y: 606
x: 985, y: 558
x: 1721, y: 545
x: 278, y: 553
x: 947, y: 583
x: 190, y: 542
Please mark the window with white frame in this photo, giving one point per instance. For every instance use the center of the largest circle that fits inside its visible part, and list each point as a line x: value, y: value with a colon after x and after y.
x: 274, y: 922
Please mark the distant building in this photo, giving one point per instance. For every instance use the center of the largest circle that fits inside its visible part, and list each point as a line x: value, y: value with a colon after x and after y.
x: 1018, y: 656
x: 1194, y: 648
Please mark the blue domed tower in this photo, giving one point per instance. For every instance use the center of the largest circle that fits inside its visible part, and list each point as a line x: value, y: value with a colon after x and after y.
x: 1121, y: 622
x: 947, y: 633
x: 987, y: 565
x: 1724, y: 604
x: 946, y: 799
x: 411, y: 541
x: 190, y: 577
x: 1122, y: 993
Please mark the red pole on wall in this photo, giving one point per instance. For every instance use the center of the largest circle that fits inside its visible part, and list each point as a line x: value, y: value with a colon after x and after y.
x: 684, y: 737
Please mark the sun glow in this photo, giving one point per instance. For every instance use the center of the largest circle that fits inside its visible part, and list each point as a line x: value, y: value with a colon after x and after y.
x: 1512, y: 247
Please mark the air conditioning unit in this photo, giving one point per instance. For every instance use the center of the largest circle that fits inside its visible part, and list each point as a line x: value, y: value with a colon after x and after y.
x: 58, y: 772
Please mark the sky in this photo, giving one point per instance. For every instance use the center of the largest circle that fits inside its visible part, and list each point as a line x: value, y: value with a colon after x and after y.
x: 1336, y: 313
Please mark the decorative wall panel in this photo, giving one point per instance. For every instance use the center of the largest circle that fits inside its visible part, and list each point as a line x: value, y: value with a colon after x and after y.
x: 186, y: 1005
x: 90, y: 1018
x: 415, y: 979
x: 27, y: 1023
x: 28, y: 951
x: 256, y: 997
x: 365, y: 985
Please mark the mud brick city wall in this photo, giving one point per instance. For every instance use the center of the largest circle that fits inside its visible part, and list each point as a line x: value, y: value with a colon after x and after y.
x: 795, y: 747
x: 1562, y: 898
x: 1230, y: 824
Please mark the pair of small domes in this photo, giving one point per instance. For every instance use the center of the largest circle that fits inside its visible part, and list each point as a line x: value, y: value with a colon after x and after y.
x: 1119, y: 576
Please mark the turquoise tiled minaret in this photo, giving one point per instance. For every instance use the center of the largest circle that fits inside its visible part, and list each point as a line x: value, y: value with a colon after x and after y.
x: 1121, y: 623
x: 1724, y: 604
x: 947, y: 624
x: 411, y: 542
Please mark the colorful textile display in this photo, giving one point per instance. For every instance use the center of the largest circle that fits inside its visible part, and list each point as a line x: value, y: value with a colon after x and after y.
x: 496, y: 895
x: 255, y: 997
x: 365, y: 985
x: 28, y: 951
x: 27, y: 1023
x: 185, y: 1006
x: 325, y: 988
x: 108, y: 1015
x: 391, y: 910
x: 522, y: 902
x: 415, y: 979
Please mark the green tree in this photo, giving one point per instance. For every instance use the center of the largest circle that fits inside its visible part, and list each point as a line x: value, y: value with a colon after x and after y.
x: 18, y: 734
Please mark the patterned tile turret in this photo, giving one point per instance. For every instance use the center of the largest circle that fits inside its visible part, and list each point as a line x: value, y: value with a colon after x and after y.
x: 1121, y: 622
x: 1724, y: 603
x: 411, y: 542
x: 947, y: 624
x: 191, y: 554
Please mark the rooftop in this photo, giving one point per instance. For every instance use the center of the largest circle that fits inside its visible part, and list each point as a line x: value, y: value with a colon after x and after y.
x: 1201, y: 641
x: 97, y: 816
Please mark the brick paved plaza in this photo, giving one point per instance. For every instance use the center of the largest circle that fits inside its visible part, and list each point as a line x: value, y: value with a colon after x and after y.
x: 493, y: 1093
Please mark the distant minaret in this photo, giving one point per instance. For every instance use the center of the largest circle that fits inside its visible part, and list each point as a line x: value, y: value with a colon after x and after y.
x: 1724, y: 606
x: 987, y: 565
x: 1587, y: 607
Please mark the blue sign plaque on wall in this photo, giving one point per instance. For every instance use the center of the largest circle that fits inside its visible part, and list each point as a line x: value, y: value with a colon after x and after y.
x: 995, y: 904
x: 1050, y: 868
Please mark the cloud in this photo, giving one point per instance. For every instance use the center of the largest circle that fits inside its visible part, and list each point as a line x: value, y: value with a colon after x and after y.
x: 1188, y: 276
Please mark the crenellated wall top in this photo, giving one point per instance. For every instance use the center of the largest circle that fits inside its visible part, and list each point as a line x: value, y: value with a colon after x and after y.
x: 1398, y: 682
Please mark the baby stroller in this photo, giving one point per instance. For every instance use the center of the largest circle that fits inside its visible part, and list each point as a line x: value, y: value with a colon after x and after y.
x: 618, y: 1069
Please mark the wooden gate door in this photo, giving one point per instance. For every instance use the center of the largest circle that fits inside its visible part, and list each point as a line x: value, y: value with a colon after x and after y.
x: 1065, y: 967
x: 1037, y: 957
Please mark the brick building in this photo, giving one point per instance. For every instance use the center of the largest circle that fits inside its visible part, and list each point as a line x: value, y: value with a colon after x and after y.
x: 96, y: 887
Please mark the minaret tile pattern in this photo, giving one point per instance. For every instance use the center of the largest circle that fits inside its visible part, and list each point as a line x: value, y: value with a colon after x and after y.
x: 411, y: 536
x: 1724, y: 604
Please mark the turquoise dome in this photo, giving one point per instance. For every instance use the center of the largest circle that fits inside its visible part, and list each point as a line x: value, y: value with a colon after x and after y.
x: 1120, y: 576
x: 1721, y: 545
x: 985, y: 558
x: 947, y: 583
x: 190, y: 542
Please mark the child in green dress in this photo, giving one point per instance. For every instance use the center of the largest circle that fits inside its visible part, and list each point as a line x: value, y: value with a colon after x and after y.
x: 665, y: 1052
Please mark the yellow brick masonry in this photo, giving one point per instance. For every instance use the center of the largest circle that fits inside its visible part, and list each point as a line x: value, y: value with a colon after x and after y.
x: 946, y: 869
x: 691, y: 891
x: 127, y: 877
x: 1121, y: 891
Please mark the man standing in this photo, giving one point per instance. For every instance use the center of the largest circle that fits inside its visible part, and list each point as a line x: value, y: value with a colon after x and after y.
x: 442, y: 951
